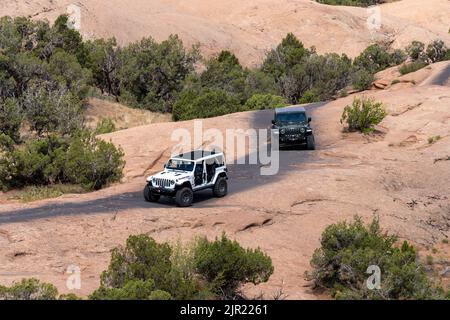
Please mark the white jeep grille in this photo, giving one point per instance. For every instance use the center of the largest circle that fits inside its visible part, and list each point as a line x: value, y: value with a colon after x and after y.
x: 158, y: 182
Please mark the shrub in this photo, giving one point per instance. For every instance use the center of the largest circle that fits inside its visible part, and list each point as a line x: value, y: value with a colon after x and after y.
x: 83, y: 160
x: 436, y: 51
x: 374, y: 59
x: 104, y: 126
x: 362, y: 80
x: 131, y: 290
x: 38, y: 162
x: 416, y: 50
x: 10, y: 118
x: 412, y: 67
x: 144, y: 269
x: 152, y: 74
x: 227, y: 266
x: 92, y: 162
x: 309, y: 97
x: 210, y: 103
x: 29, y: 289
x: 52, y: 110
x: 348, y: 249
x: 146, y: 266
x: 264, y: 101
x: 363, y: 114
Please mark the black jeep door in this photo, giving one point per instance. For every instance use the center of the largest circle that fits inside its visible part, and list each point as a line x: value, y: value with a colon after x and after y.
x: 198, y: 174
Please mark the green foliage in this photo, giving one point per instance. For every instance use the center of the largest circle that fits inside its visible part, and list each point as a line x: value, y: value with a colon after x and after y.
x: 132, y: 290
x: 225, y: 73
x: 104, y: 60
x: 92, y: 162
x: 106, y: 125
x: 209, y: 103
x: 298, y: 71
x: 412, y: 67
x: 376, y: 58
x: 144, y: 269
x: 151, y: 74
x: 363, y: 79
x: 227, y: 266
x: 436, y: 51
x: 416, y: 50
x: 29, y: 289
x: 52, y: 111
x: 348, y: 249
x: 363, y: 114
x: 309, y: 97
x: 10, y: 119
x: 264, y: 101
x: 83, y: 160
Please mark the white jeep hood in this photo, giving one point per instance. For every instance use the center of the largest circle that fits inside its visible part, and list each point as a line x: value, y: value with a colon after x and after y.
x: 170, y: 174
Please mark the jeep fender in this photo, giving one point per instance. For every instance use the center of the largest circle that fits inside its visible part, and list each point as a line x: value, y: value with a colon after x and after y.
x: 221, y: 174
x: 184, y: 184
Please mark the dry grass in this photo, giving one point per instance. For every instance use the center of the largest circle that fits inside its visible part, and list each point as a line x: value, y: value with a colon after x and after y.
x: 122, y: 116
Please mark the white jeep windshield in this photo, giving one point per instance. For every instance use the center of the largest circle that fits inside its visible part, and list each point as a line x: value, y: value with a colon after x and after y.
x: 183, y: 165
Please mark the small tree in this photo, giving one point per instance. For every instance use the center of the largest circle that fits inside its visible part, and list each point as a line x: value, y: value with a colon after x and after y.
x: 227, y: 266
x: 416, y: 50
x: 92, y: 162
x: 264, y: 101
x: 436, y: 51
x: 348, y: 249
x: 10, y: 119
x: 29, y: 289
x: 363, y: 114
x: 144, y: 269
x: 362, y: 79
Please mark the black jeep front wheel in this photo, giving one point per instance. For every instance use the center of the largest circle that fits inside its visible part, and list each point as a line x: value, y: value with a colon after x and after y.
x: 220, y: 187
x: 184, y: 197
x: 310, y: 143
x: 149, y: 195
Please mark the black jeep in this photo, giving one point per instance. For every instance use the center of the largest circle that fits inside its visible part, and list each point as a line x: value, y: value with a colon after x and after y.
x: 292, y: 126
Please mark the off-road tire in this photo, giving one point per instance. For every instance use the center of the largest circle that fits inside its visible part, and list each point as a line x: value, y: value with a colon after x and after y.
x: 184, y: 197
x: 220, y: 187
x: 149, y: 195
x: 310, y: 143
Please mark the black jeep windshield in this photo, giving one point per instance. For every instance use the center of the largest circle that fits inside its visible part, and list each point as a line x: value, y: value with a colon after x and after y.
x: 183, y: 165
x: 290, y: 117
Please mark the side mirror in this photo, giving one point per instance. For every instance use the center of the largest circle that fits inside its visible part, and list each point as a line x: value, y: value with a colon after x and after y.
x: 273, y: 122
x: 309, y: 119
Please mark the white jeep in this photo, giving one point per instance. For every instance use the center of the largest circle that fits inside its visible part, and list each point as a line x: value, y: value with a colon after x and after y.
x: 186, y: 173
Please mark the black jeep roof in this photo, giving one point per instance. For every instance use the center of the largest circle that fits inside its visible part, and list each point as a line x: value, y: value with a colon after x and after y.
x: 290, y: 109
x: 196, y: 154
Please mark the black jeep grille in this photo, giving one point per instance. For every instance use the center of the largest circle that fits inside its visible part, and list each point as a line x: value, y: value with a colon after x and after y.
x: 158, y: 182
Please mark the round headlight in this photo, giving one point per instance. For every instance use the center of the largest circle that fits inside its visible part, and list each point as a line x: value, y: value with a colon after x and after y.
x: 172, y: 182
x: 282, y: 131
x: 302, y: 130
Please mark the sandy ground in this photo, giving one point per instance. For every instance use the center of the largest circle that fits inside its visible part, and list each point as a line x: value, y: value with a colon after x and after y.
x: 394, y: 174
x: 251, y: 28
